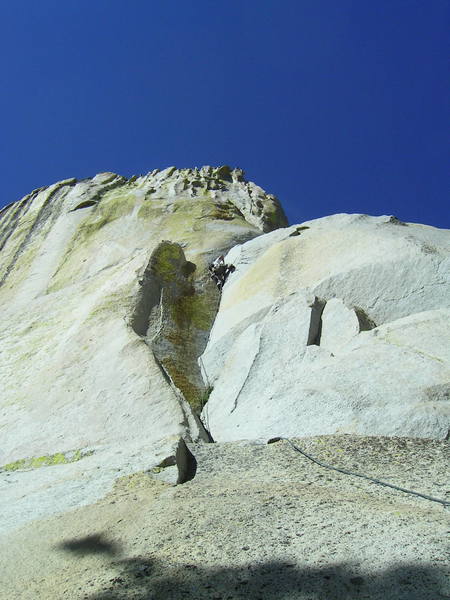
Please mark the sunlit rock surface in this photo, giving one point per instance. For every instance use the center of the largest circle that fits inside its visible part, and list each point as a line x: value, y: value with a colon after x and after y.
x: 338, y: 325
x: 106, y: 306
x: 257, y: 522
x: 111, y: 345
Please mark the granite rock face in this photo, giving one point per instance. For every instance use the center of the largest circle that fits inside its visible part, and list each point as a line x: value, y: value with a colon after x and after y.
x: 339, y: 325
x: 106, y: 305
x: 120, y: 359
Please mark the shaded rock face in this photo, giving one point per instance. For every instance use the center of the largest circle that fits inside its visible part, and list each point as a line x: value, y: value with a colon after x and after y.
x: 174, y: 314
x: 106, y: 306
x: 340, y: 325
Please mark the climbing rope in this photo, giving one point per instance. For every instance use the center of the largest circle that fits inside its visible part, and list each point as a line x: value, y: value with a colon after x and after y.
x: 445, y: 503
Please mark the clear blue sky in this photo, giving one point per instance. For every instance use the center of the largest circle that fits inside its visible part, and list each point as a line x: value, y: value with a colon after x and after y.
x: 332, y: 105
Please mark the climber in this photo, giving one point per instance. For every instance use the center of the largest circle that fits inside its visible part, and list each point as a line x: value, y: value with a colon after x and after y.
x: 219, y: 271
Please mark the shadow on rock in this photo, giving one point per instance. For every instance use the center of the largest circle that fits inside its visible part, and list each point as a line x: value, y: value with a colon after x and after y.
x: 90, y: 544
x: 153, y: 579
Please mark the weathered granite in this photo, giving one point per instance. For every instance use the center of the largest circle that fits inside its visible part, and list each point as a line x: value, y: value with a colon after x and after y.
x: 337, y: 325
x: 257, y: 522
x: 86, y: 281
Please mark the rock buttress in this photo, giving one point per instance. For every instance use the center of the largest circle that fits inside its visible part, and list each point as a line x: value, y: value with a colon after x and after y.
x: 174, y: 313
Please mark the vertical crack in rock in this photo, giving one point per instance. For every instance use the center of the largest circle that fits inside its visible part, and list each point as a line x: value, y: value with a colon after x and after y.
x: 315, y: 324
x: 254, y: 358
x: 174, y: 314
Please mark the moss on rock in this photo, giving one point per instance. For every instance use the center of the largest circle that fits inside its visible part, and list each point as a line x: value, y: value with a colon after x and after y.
x: 165, y: 262
x: 113, y: 205
x: 187, y: 307
x: 193, y: 311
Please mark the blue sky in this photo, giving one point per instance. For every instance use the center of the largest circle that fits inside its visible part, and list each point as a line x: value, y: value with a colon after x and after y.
x: 332, y: 105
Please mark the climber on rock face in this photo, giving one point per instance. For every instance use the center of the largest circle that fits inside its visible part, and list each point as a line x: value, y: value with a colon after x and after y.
x: 219, y: 271
x: 220, y: 260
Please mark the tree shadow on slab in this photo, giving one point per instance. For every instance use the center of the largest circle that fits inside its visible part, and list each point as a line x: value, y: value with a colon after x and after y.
x: 153, y: 579
x: 90, y: 544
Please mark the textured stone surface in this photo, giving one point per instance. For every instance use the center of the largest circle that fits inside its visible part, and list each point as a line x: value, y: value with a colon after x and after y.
x: 337, y: 325
x: 103, y: 321
x: 259, y: 522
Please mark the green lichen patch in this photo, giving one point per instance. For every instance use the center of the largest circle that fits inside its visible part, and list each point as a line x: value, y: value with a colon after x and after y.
x: 204, y: 397
x: 60, y: 458
x: 222, y: 211
x: 113, y: 205
x: 188, y: 309
x: 193, y: 311
x: 157, y: 470
x: 115, y: 303
x: 274, y: 217
x: 151, y: 210
x: 85, y: 204
x: 166, y: 261
x: 22, y: 264
x: 190, y: 391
